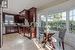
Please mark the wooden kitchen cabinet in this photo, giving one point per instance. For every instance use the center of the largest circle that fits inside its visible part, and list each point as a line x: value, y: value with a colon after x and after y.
x: 31, y: 16
x: 24, y: 13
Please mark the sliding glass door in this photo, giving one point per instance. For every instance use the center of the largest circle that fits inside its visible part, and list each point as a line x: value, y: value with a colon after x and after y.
x: 72, y: 21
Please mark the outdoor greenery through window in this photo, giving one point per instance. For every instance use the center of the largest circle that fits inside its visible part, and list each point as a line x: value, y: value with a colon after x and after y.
x: 57, y: 20
x: 53, y: 21
x: 72, y: 21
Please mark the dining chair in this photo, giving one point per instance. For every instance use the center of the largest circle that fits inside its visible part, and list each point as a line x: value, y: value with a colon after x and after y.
x: 61, y: 37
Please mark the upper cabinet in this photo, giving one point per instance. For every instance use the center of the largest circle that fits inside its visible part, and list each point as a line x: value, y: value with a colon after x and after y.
x: 16, y: 18
x: 24, y: 14
x: 30, y: 14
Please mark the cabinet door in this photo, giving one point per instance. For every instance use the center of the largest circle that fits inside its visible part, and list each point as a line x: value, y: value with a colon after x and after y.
x: 32, y: 18
x: 16, y: 18
x: 32, y: 14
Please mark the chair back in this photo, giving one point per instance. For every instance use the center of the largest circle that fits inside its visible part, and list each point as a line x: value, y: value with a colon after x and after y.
x: 62, y: 33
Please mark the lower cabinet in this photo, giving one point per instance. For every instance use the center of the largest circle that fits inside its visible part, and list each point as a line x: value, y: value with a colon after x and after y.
x: 10, y: 29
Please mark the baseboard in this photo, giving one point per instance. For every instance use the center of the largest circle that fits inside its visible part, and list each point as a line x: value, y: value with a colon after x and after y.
x: 10, y: 33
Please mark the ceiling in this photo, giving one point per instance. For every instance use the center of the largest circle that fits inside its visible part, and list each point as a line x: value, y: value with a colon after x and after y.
x: 15, y: 6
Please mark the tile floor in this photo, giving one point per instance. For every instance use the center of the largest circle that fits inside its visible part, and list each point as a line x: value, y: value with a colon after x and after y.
x: 17, y: 42
x: 67, y: 47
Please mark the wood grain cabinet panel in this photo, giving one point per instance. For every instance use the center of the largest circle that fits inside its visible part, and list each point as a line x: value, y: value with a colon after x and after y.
x: 30, y: 15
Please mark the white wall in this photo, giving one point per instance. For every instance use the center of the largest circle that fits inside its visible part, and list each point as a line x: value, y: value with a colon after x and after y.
x: 66, y: 6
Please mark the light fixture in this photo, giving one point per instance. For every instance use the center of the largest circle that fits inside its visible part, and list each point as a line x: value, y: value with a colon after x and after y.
x: 5, y: 3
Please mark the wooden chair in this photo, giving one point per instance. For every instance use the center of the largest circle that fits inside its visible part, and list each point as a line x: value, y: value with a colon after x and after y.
x: 48, y: 38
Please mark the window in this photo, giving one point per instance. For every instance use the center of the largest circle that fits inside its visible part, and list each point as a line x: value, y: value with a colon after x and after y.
x: 53, y: 21
x: 9, y: 19
x: 57, y: 20
x: 72, y: 21
x: 43, y: 21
